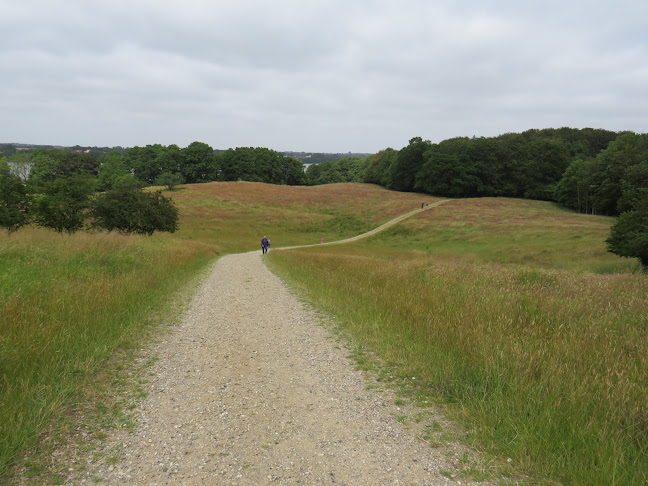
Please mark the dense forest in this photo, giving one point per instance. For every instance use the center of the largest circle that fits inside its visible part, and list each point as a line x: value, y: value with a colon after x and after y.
x: 593, y: 171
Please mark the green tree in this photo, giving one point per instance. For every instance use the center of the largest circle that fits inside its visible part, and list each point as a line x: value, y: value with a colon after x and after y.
x: 45, y: 168
x: 449, y: 170
x: 380, y: 167
x: 62, y: 203
x: 112, y: 170
x: 78, y: 163
x: 628, y: 150
x: 198, y: 163
x: 292, y: 172
x: 147, y: 163
x: 14, y: 200
x: 169, y: 180
x: 573, y: 189
x: 408, y: 163
x: 7, y: 149
x: 634, y: 185
x: 129, y: 209
x: 629, y: 235
x: 544, y: 164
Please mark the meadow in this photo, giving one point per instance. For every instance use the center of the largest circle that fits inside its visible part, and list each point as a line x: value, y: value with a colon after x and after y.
x: 69, y: 304
x: 509, y: 313
x: 512, y: 316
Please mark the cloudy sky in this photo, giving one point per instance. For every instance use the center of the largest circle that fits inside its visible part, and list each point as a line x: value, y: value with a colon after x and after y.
x: 316, y: 75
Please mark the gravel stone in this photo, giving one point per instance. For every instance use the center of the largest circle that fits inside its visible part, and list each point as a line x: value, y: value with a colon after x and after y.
x: 250, y: 389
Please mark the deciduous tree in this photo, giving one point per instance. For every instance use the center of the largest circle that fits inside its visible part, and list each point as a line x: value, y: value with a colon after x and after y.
x: 14, y: 200
x: 62, y: 203
x: 129, y: 209
x: 629, y: 235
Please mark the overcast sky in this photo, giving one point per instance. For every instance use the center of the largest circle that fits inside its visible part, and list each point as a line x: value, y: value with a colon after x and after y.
x: 316, y: 75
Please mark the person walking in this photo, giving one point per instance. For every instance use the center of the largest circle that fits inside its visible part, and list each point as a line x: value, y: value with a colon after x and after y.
x: 264, y: 245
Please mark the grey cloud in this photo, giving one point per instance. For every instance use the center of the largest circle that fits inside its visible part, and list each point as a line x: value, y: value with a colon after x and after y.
x: 318, y: 75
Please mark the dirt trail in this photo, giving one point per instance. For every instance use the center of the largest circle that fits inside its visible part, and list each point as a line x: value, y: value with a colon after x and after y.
x: 251, y: 389
x: 380, y: 228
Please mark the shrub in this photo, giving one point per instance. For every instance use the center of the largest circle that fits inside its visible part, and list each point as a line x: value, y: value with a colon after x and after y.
x: 128, y: 209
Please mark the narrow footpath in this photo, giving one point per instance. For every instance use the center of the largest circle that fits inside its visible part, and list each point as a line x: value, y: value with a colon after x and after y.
x: 252, y: 389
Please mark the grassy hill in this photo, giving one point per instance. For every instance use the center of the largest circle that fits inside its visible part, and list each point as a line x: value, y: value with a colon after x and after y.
x: 511, y: 315
x: 68, y: 304
x: 509, y: 312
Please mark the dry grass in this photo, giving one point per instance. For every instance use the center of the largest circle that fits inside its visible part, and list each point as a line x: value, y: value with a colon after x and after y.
x: 235, y: 215
x: 544, y: 361
x: 69, y: 303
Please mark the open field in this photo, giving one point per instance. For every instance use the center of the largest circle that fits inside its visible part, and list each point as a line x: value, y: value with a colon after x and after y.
x: 69, y: 303
x: 513, y: 315
x: 509, y: 312
x: 235, y: 215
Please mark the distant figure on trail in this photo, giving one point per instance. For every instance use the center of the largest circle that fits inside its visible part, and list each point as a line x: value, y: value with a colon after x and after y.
x: 265, y: 243
x: 422, y: 205
x: 322, y: 240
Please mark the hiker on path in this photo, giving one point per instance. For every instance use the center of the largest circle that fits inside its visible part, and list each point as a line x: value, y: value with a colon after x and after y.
x: 265, y: 242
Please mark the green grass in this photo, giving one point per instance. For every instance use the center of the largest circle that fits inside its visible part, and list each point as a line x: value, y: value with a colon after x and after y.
x: 511, y: 313
x: 70, y: 304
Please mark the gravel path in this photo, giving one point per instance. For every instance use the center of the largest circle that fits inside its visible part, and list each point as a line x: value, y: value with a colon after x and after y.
x: 252, y: 389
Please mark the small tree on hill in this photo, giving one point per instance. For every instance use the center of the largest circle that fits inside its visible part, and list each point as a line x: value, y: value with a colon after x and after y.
x: 629, y: 235
x: 14, y: 200
x: 169, y: 180
x: 62, y: 203
x: 128, y: 209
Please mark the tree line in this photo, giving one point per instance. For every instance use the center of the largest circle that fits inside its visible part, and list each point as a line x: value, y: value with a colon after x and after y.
x: 593, y: 171
x: 59, y: 190
x: 70, y: 189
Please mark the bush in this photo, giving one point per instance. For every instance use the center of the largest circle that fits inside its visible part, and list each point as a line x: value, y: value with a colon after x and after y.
x: 128, y: 209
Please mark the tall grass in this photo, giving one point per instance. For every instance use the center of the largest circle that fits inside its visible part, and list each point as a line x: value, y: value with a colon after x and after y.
x: 66, y: 304
x: 544, y: 362
x: 234, y: 216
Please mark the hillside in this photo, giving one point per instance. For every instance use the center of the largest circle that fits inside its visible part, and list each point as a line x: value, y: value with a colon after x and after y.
x: 509, y: 314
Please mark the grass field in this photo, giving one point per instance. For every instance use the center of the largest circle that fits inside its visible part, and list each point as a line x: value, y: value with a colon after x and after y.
x: 510, y: 313
x: 513, y: 315
x: 70, y: 303
x: 234, y: 216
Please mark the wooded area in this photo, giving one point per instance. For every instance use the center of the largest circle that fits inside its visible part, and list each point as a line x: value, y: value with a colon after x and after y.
x: 593, y: 171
